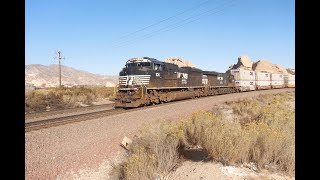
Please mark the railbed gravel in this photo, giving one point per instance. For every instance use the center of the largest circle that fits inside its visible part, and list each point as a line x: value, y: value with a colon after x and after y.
x: 53, y: 152
x: 70, y: 112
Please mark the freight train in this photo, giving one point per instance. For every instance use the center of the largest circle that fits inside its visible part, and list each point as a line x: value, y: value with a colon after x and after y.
x: 148, y: 81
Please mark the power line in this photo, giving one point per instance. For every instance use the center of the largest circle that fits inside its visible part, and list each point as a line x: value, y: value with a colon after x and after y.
x: 68, y: 63
x: 161, y: 21
x: 188, y: 22
x: 174, y: 25
x: 161, y: 30
x: 59, y: 58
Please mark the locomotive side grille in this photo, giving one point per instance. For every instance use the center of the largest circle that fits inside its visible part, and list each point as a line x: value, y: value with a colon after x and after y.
x: 134, y: 80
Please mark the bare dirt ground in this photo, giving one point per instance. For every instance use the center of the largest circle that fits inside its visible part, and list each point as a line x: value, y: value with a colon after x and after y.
x: 212, y: 170
x: 83, y: 150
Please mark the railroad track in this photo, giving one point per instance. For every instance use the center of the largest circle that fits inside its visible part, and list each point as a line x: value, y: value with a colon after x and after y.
x: 42, y: 124
x: 36, y: 125
x: 64, y: 111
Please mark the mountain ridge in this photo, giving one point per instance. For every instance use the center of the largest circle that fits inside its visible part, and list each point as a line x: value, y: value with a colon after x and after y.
x: 41, y: 75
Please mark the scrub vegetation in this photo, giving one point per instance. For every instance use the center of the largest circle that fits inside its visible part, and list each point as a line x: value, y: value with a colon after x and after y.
x: 61, y: 98
x: 262, y: 132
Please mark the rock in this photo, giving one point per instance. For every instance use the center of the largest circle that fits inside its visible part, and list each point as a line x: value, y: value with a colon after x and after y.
x: 281, y: 69
x: 291, y: 71
x: 180, y: 62
x: 126, y: 142
x: 264, y: 65
x: 244, y: 62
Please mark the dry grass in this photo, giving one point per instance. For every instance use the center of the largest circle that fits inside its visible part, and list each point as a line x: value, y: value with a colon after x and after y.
x: 60, y: 98
x: 223, y: 140
x: 262, y: 132
x: 153, y: 153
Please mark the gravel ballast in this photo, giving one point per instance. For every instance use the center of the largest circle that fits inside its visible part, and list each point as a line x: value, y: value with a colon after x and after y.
x: 70, y: 112
x: 52, y: 153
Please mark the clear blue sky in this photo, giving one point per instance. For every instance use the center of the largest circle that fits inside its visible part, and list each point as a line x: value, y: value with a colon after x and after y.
x: 90, y: 34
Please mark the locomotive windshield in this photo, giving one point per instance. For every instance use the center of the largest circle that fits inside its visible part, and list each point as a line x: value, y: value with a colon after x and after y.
x: 139, y: 64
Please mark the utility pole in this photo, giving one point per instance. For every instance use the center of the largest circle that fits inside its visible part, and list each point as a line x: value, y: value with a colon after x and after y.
x: 59, y: 58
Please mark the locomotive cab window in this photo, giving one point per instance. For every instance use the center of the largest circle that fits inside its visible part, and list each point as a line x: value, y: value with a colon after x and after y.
x: 131, y: 65
x: 158, y: 67
x: 143, y: 64
x: 140, y: 64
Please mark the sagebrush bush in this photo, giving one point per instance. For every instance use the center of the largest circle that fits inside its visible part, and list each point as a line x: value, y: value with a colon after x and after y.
x: 152, y: 154
x: 224, y: 141
x: 105, y: 92
x: 142, y: 164
x: 59, y: 98
x: 272, y: 129
x: 264, y: 135
x: 35, y: 102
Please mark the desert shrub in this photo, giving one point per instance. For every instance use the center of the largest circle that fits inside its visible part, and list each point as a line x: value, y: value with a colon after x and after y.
x: 141, y: 164
x: 272, y: 130
x: 272, y: 148
x: 154, y: 153
x: 60, y: 98
x: 104, y: 92
x: 35, y: 102
x: 265, y: 138
x: 55, y: 100
x: 224, y: 141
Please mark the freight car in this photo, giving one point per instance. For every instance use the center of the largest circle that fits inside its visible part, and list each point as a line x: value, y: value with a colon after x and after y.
x: 248, y: 80
x: 289, y: 81
x: 148, y: 81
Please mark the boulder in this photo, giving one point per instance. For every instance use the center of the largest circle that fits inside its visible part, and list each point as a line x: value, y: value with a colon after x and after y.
x: 244, y: 62
x: 281, y: 69
x: 126, y: 142
x: 291, y: 71
x: 180, y: 62
x: 264, y: 65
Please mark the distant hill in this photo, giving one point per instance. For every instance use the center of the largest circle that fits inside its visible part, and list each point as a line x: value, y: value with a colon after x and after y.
x: 48, y: 76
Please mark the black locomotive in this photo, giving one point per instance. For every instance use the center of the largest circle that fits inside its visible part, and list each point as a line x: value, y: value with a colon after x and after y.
x: 147, y: 81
